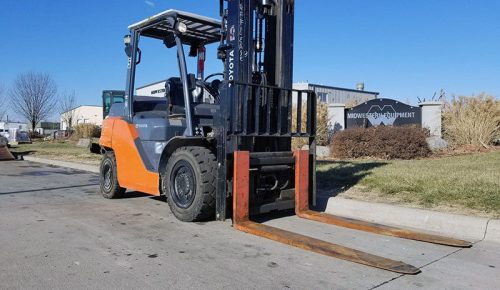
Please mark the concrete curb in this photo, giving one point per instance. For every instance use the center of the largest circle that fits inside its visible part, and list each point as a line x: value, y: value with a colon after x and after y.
x: 453, y: 225
x: 72, y: 165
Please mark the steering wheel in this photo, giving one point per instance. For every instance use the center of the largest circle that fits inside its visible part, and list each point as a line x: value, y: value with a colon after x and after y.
x: 213, y: 75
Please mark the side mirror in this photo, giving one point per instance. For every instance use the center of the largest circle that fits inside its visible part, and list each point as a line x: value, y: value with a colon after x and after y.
x: 128, y: 50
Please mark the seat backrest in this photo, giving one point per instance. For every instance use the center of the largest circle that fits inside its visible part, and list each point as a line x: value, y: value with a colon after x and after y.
x: 145, y: 104
x: 175, y: 95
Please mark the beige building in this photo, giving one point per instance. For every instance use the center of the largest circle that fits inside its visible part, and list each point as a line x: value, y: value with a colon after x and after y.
x: 82, y: 115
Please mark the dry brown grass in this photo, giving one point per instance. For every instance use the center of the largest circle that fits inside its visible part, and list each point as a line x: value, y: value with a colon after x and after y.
x: 472, y: 120
x: 322, y: 128
x: 86, y: 131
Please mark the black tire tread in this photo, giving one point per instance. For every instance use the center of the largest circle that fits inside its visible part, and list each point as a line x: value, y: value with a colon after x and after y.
x: 117, y: 191
x: 207, y: 164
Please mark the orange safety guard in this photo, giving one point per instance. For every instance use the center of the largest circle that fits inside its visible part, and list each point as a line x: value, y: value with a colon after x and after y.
x: 132, y: 174
x: 107, y: 132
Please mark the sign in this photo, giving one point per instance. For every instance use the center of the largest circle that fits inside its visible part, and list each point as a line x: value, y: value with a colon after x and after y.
x: 385, y: 112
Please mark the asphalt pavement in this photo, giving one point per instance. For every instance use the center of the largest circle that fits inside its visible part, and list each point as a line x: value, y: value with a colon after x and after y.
x: 57, y: 232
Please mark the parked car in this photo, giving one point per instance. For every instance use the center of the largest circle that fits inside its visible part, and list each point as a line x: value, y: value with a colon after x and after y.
x: 23, y: 137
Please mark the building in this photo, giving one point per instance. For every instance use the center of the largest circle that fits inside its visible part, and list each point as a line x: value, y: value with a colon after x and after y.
x: 332, y: 95
x: 47, y: 128
x: 82, y: 115
x: 10, y: 129
x: 156, y: 89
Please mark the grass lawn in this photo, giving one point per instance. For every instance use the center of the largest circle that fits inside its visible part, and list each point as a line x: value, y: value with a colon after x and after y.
x: 468, y: 184
x: 58, y: 150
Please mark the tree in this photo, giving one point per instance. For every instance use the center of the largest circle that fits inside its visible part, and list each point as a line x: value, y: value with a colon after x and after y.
x: 3, y: 102
x: 33, y: 96
x: 66, y: 106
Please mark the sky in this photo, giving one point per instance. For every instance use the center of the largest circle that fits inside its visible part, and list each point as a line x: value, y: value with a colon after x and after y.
x: 404, y: 49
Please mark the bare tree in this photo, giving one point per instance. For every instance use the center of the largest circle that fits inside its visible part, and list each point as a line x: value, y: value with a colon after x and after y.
x: 66, y: 108
x: 3, y: 102
x: 33, y: 96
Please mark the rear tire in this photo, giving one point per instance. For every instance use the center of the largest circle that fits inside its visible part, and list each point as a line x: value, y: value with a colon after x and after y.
x: 108, y: 179
x: 189, y: 183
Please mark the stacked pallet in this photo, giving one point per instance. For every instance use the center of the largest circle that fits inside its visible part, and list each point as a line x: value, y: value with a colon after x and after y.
x: 5, y: 153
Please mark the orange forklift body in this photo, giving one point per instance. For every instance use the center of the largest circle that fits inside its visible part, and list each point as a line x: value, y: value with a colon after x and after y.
x: 121, y: 136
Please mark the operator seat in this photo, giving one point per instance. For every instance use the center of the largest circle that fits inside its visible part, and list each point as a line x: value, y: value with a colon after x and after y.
x: 149, y: 107
x: 175, y: 96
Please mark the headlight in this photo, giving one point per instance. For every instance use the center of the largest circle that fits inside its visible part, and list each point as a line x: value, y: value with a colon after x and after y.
x: 181, y: 27
x: 127, y: 39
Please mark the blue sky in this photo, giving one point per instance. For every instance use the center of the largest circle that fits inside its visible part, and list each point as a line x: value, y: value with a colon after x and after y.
x: 403, y: 49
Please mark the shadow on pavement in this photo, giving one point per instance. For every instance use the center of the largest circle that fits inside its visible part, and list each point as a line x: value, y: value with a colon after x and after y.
x: 161, y: 198
x: 19, y: 155
x: 134, y: 194
x: 262, y: 218
x: 338, y: 177
x: 44, y: 189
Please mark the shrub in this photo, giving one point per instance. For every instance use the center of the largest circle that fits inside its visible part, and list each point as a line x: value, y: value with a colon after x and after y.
x: 472, y: 120
x: 86, y: 131
x: 381, y: 142
x: 323, y: 137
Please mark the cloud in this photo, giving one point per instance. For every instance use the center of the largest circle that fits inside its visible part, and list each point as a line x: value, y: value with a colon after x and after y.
x: 149, y: 3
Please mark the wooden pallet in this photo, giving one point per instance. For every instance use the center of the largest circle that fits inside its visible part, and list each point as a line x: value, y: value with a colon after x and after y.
x: 5, y: 154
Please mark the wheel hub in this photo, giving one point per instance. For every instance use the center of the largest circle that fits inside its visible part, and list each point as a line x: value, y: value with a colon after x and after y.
x: 183, y: 184
x: 108, y: 176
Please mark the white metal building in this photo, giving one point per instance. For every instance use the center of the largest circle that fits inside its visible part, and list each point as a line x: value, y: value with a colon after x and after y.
x: 153, y: 90
x: 157, y: 89
x: 9, y: 129
x: 82, y: 115
x: 331, y: 95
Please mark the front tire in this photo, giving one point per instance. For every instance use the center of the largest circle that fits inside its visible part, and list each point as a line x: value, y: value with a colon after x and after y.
x: 189, y: 183
x: 108, y: 179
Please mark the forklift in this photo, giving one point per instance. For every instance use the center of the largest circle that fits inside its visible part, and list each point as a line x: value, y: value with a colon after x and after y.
x: 110, y: 97
x: 221, y: 145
